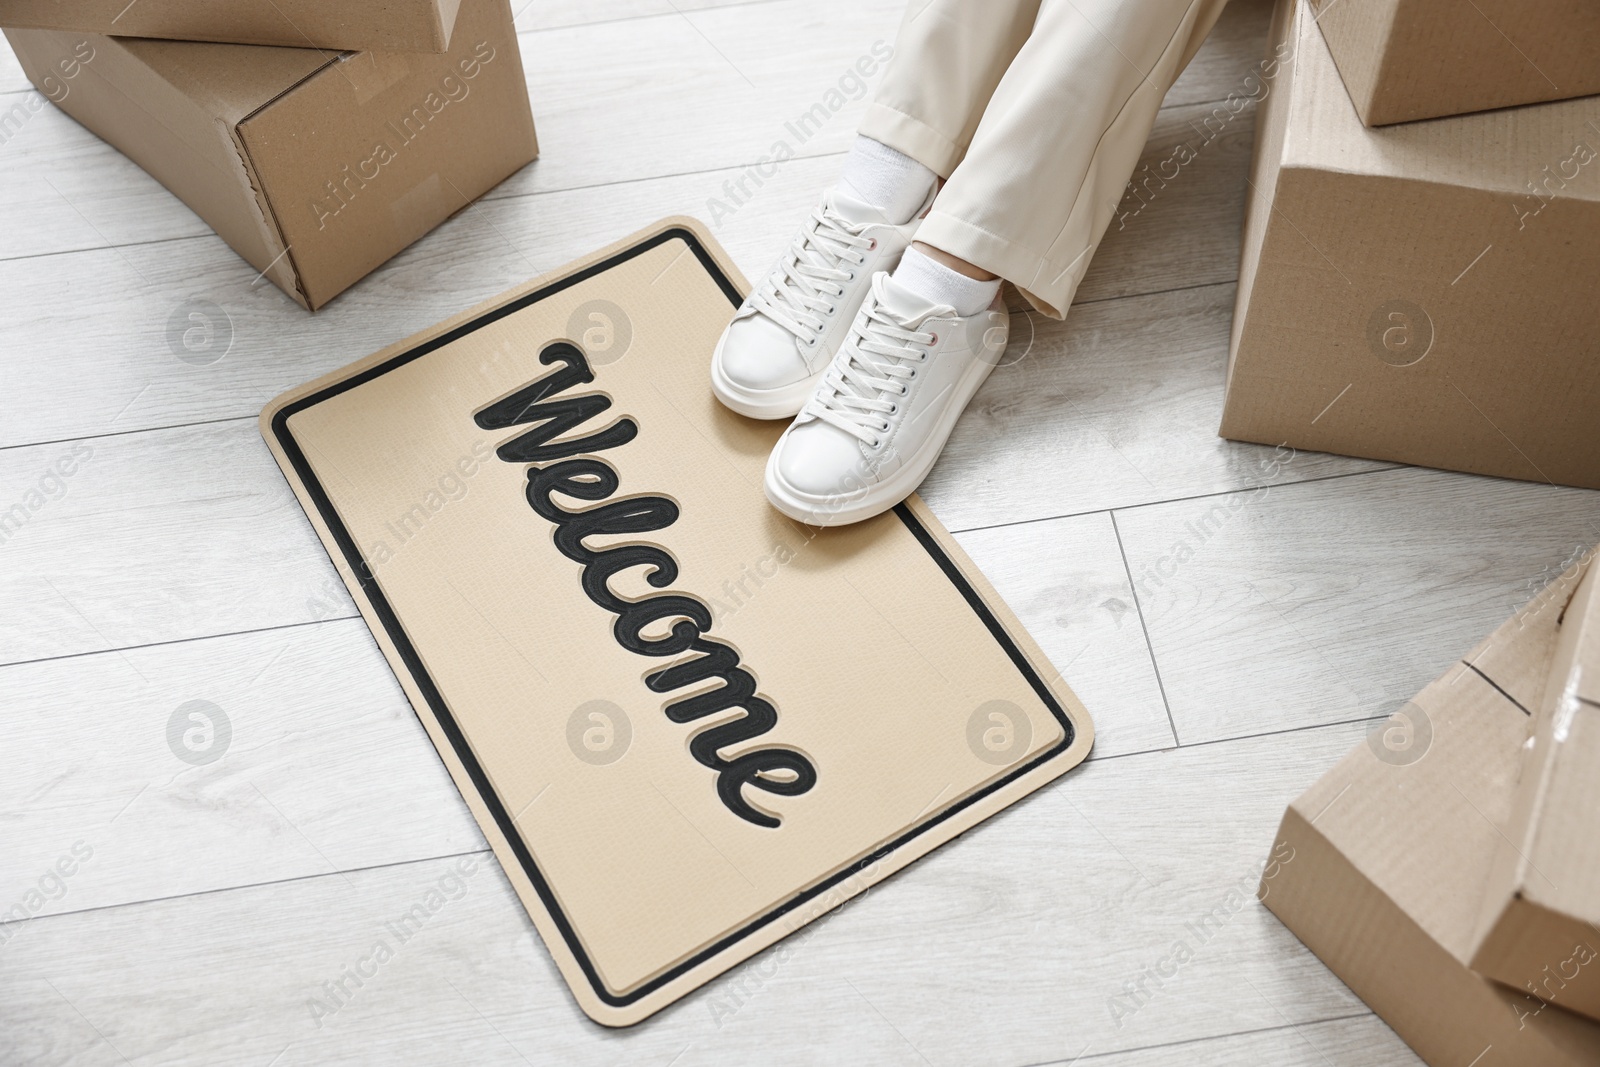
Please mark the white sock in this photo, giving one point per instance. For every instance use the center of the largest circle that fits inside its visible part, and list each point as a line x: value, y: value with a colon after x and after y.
x: 890, y: 181
x: 934, y: 281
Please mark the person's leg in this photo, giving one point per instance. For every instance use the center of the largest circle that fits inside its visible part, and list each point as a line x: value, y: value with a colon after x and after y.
x: 950, y: 54
x: 1027, y: 201
x: 1063, y: 130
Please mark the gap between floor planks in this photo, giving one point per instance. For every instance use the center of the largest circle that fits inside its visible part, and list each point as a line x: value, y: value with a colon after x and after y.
x: 494, y: 195
x: 1111, y: 512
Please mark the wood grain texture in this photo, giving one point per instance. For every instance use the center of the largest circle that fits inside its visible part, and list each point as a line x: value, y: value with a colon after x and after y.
x: 1116, y: 406
x: 156, y: 537
x: 136, y: 299
x: 103, y: 199
x: 62, y: 189
x: 551, y: 14
x: 12, y: 80
x: 740, y: 74
x: 1363, y: 1041
x: 1337, y: 599
x: 1215, y: 70
x: 1066, y: 582
x: 1079, y: 889
x: 247, y: 559
x: 1229, y: 56
x: 318, y: 764
x: 173, y: 565
x: 1179, y: 228
x: 70, y: 311
x: 327, y: 768
x: 697, y: 91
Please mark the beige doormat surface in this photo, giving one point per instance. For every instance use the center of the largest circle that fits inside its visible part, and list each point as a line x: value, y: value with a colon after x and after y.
x: 687, y: 725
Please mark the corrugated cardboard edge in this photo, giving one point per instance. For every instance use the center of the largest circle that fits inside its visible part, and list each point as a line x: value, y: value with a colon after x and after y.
x: 282, y: 271
x: 1329, y: 900
x: 869, y: 873
x: 1358, y: 37
x: 432, y: 37
x: 1264, y: 167
x: 1372, y: 944
x: 1514, y: 926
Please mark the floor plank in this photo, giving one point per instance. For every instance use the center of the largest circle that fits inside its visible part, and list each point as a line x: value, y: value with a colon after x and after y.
x: 1337, y: 599
x: 738, y: 76
x: 308, y: 760
x: 70, y: 311
x: 553, y: 14
x: 12, y: 80
x: 325, y: 767
x: 221, y: 897
x: 103, y: 199
x: 62, y: 189
x: 1066, y: 581
x: 1363, y: 1041
x: 196, y: 533
x: 1213, y: 72
x: 717, y: 116
x: 134, y: 300
x: 1080, y: 888
x: 1116, y: 406
x: 155, y: 537
x: 1183, y: 231
x: 1229, y: 62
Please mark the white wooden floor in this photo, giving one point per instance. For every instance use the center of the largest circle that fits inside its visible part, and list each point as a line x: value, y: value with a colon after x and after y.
x: 174, y: 565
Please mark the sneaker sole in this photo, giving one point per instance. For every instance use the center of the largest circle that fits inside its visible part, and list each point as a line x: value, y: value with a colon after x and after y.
x: 875, y: 499
x: 759, y: 404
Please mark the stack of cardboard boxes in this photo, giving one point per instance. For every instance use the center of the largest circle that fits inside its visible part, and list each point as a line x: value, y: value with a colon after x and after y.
x: 317, y: 139
x: 1426, y: 292
x: 1448, y: 868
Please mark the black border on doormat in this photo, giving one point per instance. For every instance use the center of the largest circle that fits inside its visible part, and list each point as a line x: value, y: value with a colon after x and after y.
x: 458, y: 741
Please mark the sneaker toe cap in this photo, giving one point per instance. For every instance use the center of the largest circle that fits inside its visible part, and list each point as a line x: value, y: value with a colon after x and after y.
x: 820, y: 460
x: 758, y: 354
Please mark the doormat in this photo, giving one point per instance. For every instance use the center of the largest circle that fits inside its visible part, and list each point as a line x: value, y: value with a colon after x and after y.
x: 687, y: 724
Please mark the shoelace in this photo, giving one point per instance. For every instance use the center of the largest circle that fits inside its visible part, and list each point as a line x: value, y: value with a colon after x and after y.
x: 864, y: 385
x: 801, y: 291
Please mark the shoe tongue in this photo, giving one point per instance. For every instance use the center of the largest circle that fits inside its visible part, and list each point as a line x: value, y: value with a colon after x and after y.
x: 853, y: 209
x: 905, y: 304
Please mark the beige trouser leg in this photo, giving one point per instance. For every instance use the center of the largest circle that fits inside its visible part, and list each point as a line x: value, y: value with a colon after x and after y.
x: 1037, y: 112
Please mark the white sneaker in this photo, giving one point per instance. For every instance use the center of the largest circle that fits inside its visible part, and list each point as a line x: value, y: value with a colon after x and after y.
x: 780, y: 341
x: 885, y: 406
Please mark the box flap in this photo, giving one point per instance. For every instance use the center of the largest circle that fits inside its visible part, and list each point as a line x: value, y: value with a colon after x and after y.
x: 1402, y: 815
x: 1378, y: 867
x: 1563, y: 843
x: 228, y: 80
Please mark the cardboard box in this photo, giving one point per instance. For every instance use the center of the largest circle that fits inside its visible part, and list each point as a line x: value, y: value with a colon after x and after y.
x: 1379, y: 867
x: 390, y: 25
x: 1422, y: 59
x: 1421, y: 293
x: 316, y: 167
x: 1540, y: 930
